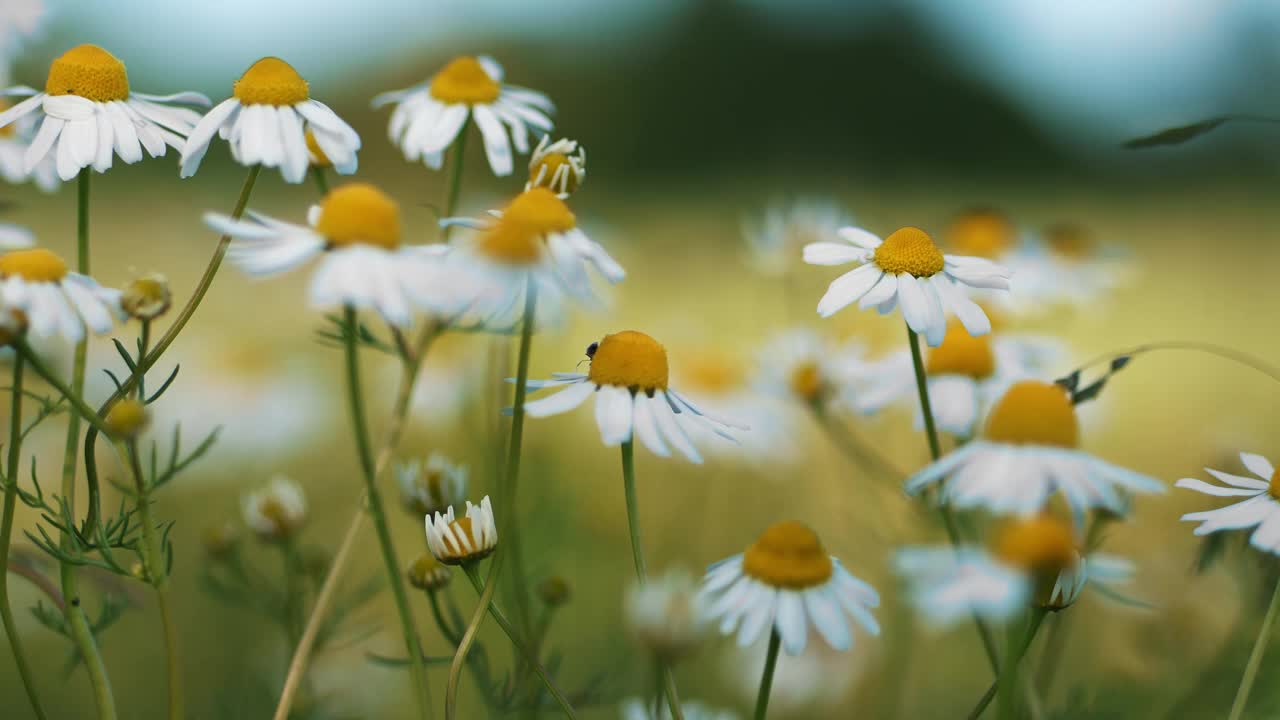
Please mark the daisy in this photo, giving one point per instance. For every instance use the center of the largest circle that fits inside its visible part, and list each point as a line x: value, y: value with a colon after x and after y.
x: 427, y: 573
x: 637, y: 709
x: 983, y: 232
x: 266, y: 120
x: 276, y: 511
x: 786, y: 581
x: 1064, y: 265
x: 53, y: 299
x: 87, y: 115
x: 1033, y: 562
x: 719, y: 382
x: 468, y: 539
x: 428, y: 117
x: 1027, y: 452
x: 15, y: 138
x: 1261, y: 510
x: 667, y: 616
x: 559, y: 166
x: 356, y: 230
x: 802, y: 366
x: 433, y: 488
x: 628, y: 377
x: 907, y: 268
x: 777, y: 238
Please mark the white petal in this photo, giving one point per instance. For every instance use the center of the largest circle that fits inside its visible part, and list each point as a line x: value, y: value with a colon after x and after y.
x: 496, y: 145
x: 849, y: 288
x: 790, y: 622
x: 1258, y: 465
x: 563, y: 401
x: 613, y: 414
x: 1207, y: 489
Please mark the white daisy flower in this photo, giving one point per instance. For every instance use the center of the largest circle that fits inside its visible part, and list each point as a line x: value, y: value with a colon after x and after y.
x: 276, y: 511
x: 629, y: 378
x: 266, y: 121
x: 1028, y: 451
x: 53, y: 299
x: 907, y: 268
x: 776, y: 239
x: 637, y: 709
x: 1261, y: 510
x: 1033, y: 562
x: 805, y: 367
x: 15, y: 237
x: 88, y: 115
x: 667, y: 616
x: 428, y: 117
x: 469, y: 539
x: 15, y: 138
x: 786, y: 581
x: 432, y: 487
x: 966, y: 375
x: 559, y: 166
x: 356, y: 229
x: 719, y: 382
x: 1064, y: 265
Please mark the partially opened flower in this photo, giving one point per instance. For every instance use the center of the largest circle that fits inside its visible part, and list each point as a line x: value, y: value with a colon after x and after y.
x: 266, y: 121
x: 53, y: 299
x: 356, y: 231
x: 907, y: 269
x: 276, y: 511
x: 427, y: 573
x: 1029, y: 451
x: 637, y: 709
x: 15, y: 139
x: 559, y: 166
x: 1261, y: 510
x: 628, y: 377
x: 667, y: 616
x: 776, y: 240
x: 88, y: 115
x: 456, y: 541
x: 787, y: 582
x: 432, y: 487
x: 428, y: 117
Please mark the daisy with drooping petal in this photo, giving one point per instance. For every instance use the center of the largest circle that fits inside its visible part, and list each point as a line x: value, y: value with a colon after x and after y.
x: 428, y: 117
x: 426, y: 489
x: 1261, y: 510
x: 88, y: 115
x: 1027, y: 452
x: 356, y: 228
x: 637, y: 709
x: 628, y: 377
x: 777, y: 239
x: 266, y: 121
x: 786, y: 582
x: 907, y: 269
x: 559, y: 166
x: 53, y: 299
x: 276, y: 511
x: 456, y: 541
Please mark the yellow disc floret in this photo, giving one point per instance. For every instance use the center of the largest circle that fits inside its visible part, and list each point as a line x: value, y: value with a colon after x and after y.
x: 516, y: 239
x: 1034, y: 413
x: 712, y: 373
x: 427, y: 573
x: 34, y: 265
x: 909, y: 250
x: 1070, y: 241
x: 630, y: 359
x: 359, y: 213
x: 464, y: 80
x: 984, y: 232
x: 962, y: 354
x: 788, y: 555
x: 318, y: 158
x: 555, y: 171
x: 1274, y: 488
x: 271, y: 81
x: 89, y: 72
x: 806, y: 381
x: 128, y: 418
x: 1041, y: 544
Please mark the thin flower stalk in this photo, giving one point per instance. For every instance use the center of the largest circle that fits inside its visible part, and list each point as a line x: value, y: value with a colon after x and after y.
x: 1255, y: 657
x: 766, y: 679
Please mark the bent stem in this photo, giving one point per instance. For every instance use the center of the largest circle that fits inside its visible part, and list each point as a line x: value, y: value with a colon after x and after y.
x: 6, y: 534
x: 766, y: 680
x: 1255, y: 657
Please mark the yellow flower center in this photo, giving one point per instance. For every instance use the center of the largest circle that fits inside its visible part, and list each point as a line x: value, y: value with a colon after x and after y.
x: 630, y: 359
x: 275, y: 511
x: 712, y: 373
x: 788, y: 555
x: 909, y: 250
x: 359, y: 213
x: 516, y: 239
x: 1034, y: 413
x: 545, y: 170
x: 983, y: 232
x: 1039, y: 545
x: 1274, y: 488
x: 147, y: 297
x: 271, y: 81
x: 319, y: 158
x: 427, y: 573
x: 1070, y: 241
x: 11, y: 129
x: 464, y: 80
x: 962, y: 354
x: 34, y: 265
x: 89, y: 72
x: 806, y: 381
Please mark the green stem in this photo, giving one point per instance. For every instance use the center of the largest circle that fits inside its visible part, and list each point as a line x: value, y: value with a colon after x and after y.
x: 458, y: 155
x: 6, y: 534
x: 487, y: 604
x: 633, y: 509
x: 417, y: 669
x: 1255, y: 657
x: 1007, y: 685
x: 766, y: 680
x: 82, y: 409
x: 144, y: 341
x: 322, y: 182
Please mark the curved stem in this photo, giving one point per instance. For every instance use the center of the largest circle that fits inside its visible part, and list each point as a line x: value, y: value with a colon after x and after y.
x: 82, y: 409
x: 373, y: 497
x: 766, y: 681
x: 1255, y: 657
x: 6, y: 535
x: 1237, y: 356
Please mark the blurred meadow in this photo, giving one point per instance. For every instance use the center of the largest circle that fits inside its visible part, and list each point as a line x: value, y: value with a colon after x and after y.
x: 697, y: 118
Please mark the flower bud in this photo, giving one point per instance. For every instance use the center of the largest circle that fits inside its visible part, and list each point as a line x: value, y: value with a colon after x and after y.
x: 147, y: 297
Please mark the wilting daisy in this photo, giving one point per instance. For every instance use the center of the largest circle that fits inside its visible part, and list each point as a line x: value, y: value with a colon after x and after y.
x: 628, y: 377
x: 88, y: 115
x: 1261, y: 510
x: 428, y: 117
x: 432, y: 487
x: 906, y: 269
x: 667, y: 615
x: 53, y: 299
x: 1033, y: 562
x: 559, y: 166
x: 1027, y: 452
x: 966, y: 375
x: 456, y: 541
x: 276, y: 511
x: 15, y: 138
x: 776, y: 240
x: 266, y: 121
x: 810, y: 369
x: 637, y: 709
x: 786, y: 581
x: 356, y: 228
